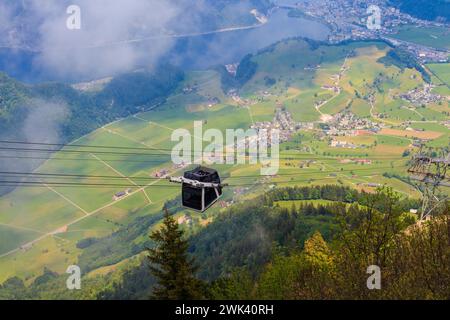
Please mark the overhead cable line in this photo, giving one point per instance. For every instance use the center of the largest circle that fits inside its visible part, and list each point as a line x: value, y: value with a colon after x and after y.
x: 283, y: 157
x: 129, y: 185
x: 79, y: 159
x: 79, y: 145
x: 80, y: 151
x: 63, y: 175
x: 122, y: 147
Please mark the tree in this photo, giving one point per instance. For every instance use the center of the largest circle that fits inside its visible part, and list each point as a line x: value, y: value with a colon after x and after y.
x: 318, y: 270
x: 171, y: 265
x: 420, y: 267
x: 317, y: 253
x: 238, y: 285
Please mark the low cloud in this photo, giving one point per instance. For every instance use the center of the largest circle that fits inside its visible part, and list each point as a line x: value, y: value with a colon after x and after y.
x: 101, y: 47
x: 6, y: 26
x: 42, y: 124
x: 5, y: 17
x: 44, y: 120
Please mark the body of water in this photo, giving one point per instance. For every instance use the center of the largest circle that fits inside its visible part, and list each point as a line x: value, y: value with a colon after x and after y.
x: 229, y: 47
x: 190, y: 52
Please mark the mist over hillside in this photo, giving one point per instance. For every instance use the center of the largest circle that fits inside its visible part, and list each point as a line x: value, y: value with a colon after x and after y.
x: 56, y: 113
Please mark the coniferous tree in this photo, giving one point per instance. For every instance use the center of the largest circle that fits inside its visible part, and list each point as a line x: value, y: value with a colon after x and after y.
x: 171, y: 265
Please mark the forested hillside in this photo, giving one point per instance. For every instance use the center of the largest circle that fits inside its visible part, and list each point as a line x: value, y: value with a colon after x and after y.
x: 57, y: 113
x: 12, y: 96
x: 307, y: 250
x: 124, y: 95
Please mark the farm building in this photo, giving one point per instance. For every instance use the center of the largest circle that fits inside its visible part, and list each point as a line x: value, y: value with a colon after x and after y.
x: 121, y: 194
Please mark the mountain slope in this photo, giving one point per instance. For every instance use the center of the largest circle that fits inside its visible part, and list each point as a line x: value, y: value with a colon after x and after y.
x: 293, y: 75
x: 57, y: 113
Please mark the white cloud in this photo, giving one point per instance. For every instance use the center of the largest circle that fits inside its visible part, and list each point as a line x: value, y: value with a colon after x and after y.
x: 43, y: 122
x: 6, y: 24
x: 100, y: 47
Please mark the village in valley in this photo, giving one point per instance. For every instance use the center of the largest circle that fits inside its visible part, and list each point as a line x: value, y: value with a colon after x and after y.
x: 422, y: 96
x: 347, y: 20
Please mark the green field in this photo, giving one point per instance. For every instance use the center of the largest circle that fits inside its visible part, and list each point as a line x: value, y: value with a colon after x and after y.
x: 428, y: 36
x: 63, y: 216
x: 442, y: 71
x: 288, y: 204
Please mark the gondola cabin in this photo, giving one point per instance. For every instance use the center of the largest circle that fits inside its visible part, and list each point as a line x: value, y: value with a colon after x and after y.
x: 200, y: 197
x: 201, y: 187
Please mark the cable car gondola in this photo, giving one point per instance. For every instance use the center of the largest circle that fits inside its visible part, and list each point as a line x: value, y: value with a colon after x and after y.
x: 201, y: 188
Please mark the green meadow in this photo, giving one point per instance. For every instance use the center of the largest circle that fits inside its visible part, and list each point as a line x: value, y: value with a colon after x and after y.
x: 442, y: 70
x: 64, y: 215
x: 427, y: 36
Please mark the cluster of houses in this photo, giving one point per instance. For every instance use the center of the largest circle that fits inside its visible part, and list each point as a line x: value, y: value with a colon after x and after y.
x: 242, y: 102
x: 232, y: 68
x: 421, y: 96
x: 342, y: 144
x: 348, y: 20
x: 427, y: 55
x: 423, y: 54
x: 162, y: 173
x: 283, y: 122
x: 356, y: 161
x: 335, y: 89
x: 190, y: 89
x: 347, y: 123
